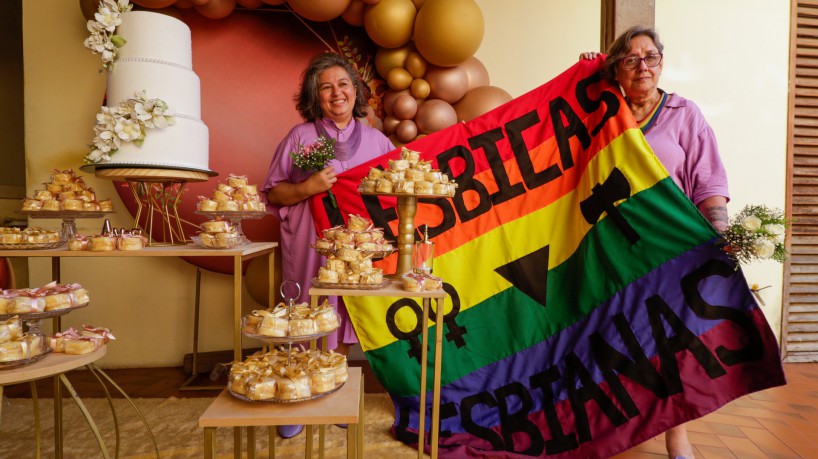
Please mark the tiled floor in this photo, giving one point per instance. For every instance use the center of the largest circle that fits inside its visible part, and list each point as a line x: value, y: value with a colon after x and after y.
x: 777, y: 423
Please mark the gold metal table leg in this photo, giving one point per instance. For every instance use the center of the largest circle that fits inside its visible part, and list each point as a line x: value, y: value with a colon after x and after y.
x: 251, y: 442
x: 436, y: 383
x: 237, y: 442
x: 423, y: 375
x: 85, y: 413
x: 210, y: 443
x: 271, y: 442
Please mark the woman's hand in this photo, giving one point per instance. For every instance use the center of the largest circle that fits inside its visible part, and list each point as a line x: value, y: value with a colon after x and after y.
x: 321, y: 181
x: 589, y: 56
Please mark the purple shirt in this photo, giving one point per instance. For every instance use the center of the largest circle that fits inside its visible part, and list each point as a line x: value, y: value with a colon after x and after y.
x: 686, y: 145
x: 300, y: 262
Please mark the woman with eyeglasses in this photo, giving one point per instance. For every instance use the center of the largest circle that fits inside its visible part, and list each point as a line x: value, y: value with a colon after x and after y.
x: 679, y: 136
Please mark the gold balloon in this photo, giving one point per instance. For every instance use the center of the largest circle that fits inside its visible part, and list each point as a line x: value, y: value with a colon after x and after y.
x: 389, y: 22
x: 388, y: 58
x: 447, y: 83
x: 199, y: 2
x: 407, y: 131
x: 399, y: 79
x: 405, y: 107
x: 183, y: 4
x: 476, y: 72
x: 418, y: 3
x: 319, y: 10
x: 447, y: 32
x: 354, y: 14
x: 434, y: 115
x: 415, y: 64
x: 371, y: 2
x: 217, y: 9
x: 274, y: 2
x: 389, y: 98
x: 420, y: 88
x: 390, y: 124
x: 480, y: 100
x: 246, y: 3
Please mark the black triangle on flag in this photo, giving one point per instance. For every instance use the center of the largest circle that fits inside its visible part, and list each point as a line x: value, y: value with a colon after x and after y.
x: 529, y: 274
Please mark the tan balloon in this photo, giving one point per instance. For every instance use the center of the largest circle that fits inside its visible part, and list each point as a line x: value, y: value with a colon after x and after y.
x: 405, y: 107
x: 434, y: 115
x: 447, y: 32
x: 371, y: 2
x: 388, y: 58
x: 447, y: 83
x: 395, y: 141
x: 399, y: 79
x: 247, y: 3
x: 480, y: 100
x: 390, y: 124
x: 183, y: 4
x: 415, y: 64
x: 217, y: 9
x: 418, y: 3
x: 389, y: 22
x: 274, y: 2
x: 319, y: 10
x: 199, y: 2
x: 476, y: 72
x: 420, y: 88
x: 407, y: 131
x: 389, y: 98
x: 354, y: 14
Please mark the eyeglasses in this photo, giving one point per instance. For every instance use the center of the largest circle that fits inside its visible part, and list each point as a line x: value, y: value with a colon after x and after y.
x: 632, y: 62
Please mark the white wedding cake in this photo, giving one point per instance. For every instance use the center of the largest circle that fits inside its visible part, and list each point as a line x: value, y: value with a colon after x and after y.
x: 157, y: 59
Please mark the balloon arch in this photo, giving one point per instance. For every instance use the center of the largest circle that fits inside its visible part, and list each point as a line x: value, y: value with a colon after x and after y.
x: 424, y: 54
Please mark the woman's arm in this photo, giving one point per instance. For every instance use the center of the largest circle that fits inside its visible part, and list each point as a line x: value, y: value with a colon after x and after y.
x: 714, y: 210
x: 287, y: 194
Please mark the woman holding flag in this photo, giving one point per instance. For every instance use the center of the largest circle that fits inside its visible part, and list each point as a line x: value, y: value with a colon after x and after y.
x: 679, y: 136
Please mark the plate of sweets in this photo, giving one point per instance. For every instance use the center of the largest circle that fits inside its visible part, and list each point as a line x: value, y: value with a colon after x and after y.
x: 357, y: 240
x: 50, y: 300
x: 18, y: 347
x: 283, y: 324
x: 219, y: 234
x: 234, y: 198
x: 408, y: 176
x: 14, y: 238
x: 79, y: 342
x: 66, y: 195
x: 287, y: 375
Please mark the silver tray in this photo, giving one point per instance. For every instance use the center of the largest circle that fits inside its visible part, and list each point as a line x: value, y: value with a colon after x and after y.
x: 32, y: 245
x: 65, y: 213
x: 278, y: 400
x: 19, y: 363
x: 319, y: 284
x: 287, y: 339
x: 232, y: 215
x: 42, y: 315
x: 366, y: 253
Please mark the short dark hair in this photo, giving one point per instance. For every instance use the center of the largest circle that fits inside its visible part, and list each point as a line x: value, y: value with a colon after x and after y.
x: 621, y: 47
x: 306, y: 100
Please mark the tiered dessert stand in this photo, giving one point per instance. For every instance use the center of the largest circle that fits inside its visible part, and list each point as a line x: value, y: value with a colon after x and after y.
x: 235, y: 218
x: 69, y: 227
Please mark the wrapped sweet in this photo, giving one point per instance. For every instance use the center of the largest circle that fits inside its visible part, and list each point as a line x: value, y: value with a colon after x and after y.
x: 423, y: 187
x: 10, y: 329
x: 74, y: 342
x: 100, y: 243
x: 131, y: 240
x: 263, y: 388
x: 23, y: 348
x: 334, y: 264
x: 322, y: 381
x: 78, y: 242
x: 228, y: 206
x: 358, y: 223
x: 412, y: 282
x: 374, y: 174
x: 43, y: 195
x: 411, y: 156
x: 398, y: 164
x: 91, y: 207
x: 32, y: 204
x: 326, y: 319
x: 54, y: 301
x: 217, y: 226
x: 51, y: 205
x: 26, y: 302
x: 413, y: 175
x: 106, y: 205
x: 404, y: 186
x: 236, y: 181
x: 206, y: 205
x: 272, y: 324
x: 383, y: 186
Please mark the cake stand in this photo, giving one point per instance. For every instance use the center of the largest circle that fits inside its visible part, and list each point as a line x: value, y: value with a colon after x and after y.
x: 235, y: 218
x: 32, y: 319
x: 407, y: 208
x: 157, y: 191
x: 69, y: 227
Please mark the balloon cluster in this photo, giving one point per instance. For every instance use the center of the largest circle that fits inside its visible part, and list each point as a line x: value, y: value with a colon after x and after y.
x: 425, y: 54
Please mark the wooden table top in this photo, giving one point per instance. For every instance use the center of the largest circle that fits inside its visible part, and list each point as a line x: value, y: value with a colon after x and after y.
x: 50, y: 365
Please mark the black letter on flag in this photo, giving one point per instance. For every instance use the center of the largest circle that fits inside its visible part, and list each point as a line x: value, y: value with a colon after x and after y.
x: 590, y: 105
x: 589, y: 390
x: 465, y: 182
x: 518, y: 422
x: 690, y: 286
x: 683, y: 339
x: 488, y: 142
x: 466, y: 405
x: 560, y: 442
x: 514, y: 129
x: 602, y: 199
x: 559, y: 107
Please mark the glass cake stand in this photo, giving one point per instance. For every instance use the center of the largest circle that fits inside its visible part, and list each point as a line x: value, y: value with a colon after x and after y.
x: 69, y: 227
x: 234, y: 217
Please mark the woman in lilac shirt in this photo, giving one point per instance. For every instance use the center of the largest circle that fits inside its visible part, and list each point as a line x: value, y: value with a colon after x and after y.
x: 331, y: 100
x: 679, y: 136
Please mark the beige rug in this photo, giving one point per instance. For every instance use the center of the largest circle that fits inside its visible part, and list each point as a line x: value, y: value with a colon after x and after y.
x: 174, y: 423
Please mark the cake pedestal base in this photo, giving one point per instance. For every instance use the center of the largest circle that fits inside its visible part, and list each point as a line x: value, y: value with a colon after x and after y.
x: 157, y: 193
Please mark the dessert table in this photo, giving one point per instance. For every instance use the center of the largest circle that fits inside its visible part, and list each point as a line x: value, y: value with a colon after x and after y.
x: 395, y: 289
x: 239, y: 254
x: 56, y: 365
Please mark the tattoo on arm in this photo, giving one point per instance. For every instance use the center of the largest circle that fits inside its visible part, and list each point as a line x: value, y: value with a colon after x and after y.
x: 717, y: 215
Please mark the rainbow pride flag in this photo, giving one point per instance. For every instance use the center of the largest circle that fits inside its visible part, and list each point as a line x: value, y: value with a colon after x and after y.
x: 590, y: 304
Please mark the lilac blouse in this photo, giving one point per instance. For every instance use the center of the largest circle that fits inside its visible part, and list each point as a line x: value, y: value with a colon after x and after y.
x: 299, y: 262
x: 686, y: 146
